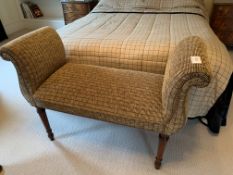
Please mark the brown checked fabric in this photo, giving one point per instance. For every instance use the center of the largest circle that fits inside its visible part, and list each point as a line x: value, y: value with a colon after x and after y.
x: 180, y: 75
x: 35, y: 56
x: 121, y: 96
x: 133, y: 98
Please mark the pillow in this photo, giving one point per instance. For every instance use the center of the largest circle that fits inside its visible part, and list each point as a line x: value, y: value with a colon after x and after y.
x: 148, y: 4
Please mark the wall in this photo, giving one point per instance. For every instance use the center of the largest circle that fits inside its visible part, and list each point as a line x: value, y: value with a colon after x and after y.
x: 209, y: 6
x: 223, y: 1
x: 50, y: 8
x: 10, y: 16
x: 12, y: 21
x: 209, y: 3
x: 53, y: 15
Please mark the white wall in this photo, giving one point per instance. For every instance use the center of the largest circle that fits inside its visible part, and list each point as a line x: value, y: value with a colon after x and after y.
x: 10, y: 17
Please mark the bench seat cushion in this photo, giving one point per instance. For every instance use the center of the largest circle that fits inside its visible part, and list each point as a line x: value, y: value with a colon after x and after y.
x: 125, y: 97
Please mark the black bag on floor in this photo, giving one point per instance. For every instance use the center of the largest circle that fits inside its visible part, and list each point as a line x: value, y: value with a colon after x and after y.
x: 217, y: 115
x: 2, y: 32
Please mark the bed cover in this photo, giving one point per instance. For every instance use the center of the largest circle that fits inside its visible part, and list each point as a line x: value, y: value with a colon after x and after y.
x: 141, y: 34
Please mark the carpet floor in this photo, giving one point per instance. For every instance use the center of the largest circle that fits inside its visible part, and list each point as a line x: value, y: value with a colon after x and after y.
x: 89, y: 147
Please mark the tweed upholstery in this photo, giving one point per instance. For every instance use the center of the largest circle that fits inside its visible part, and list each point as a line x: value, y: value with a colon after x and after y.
x: 125, y: 97
x: 181, y: 74
x: 133, y: 98
x: 36, y: 56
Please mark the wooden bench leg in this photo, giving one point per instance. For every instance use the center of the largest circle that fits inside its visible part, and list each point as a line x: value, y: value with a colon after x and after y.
x: 44, y: 119
x: 162, y: 144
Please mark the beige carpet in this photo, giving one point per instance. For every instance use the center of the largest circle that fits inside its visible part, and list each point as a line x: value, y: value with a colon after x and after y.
x: 89, y: 147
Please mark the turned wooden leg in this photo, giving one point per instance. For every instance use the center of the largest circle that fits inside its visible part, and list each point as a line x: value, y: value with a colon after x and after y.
x: 162, y: 144
x: 43, y: 117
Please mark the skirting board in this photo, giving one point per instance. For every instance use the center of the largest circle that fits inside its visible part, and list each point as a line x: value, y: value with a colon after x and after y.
x: 37, y: 23
x: 14, y: 27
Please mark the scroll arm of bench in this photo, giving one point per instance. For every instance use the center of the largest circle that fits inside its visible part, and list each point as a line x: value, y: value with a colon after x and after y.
x: 187, y: 67
x: 35, y: 56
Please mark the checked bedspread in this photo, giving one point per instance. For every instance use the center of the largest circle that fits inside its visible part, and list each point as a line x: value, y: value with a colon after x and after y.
x: 121, y: 35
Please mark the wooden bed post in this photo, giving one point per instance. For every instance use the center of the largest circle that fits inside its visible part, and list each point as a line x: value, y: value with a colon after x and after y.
x: 163, y: 139
x: 44, y: 119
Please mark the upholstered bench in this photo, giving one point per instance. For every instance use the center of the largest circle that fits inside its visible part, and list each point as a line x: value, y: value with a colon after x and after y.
x: 133, y: 98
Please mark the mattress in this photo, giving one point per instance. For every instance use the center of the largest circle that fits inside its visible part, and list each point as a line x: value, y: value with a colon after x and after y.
x: 141, y: 34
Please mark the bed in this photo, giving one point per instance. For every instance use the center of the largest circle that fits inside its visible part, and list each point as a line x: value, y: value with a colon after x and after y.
x: 141, y: 34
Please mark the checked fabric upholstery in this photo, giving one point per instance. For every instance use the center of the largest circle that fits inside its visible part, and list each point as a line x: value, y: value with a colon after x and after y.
x: 134, y: 98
